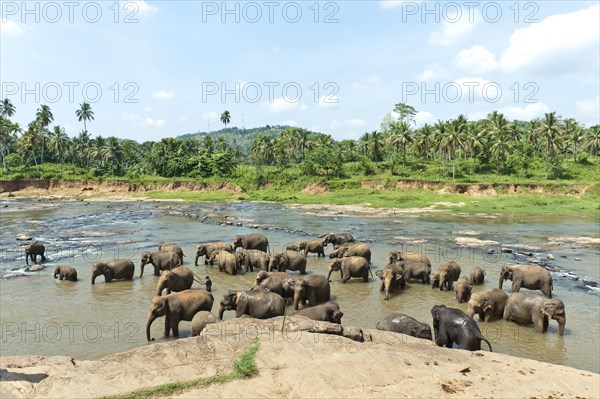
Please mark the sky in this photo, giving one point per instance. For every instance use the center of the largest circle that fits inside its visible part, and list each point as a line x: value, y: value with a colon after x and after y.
x: 154, y: 69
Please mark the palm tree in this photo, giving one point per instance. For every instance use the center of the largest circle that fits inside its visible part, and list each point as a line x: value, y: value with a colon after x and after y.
x: 84, y: 113
x: 82, y: 147
x: 573, y: 135
x: 262, y: 149
x: 376, y: 146
x: 551, y: 130
x: 111, y: 152
x: 29, y: 141
x: 45, y: 118
x: 498, y: 150
x: 593, y: 142
x: 454, y: 138
x: 423, y: 141
x: 225, y: 118
x: 7, y: 108
x: 400, y: 136
x: 58, y: 143
x: 8, y: 138
x: 476, y: 141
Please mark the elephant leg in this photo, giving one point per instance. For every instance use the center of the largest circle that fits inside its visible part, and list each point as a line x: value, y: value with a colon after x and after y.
x: 345, y: 276
x: 167, y: 326
x: 43, y: 258
x: 156, y: 271
x: 382, y: 287
x: 516, y: 286
x: 175, y: 326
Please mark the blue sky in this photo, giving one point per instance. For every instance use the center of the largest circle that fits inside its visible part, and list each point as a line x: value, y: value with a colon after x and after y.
x: 154, y: 69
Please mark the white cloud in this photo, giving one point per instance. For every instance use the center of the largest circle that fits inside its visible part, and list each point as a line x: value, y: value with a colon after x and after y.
x: 10, y: 28
x: 527, y: 113
x: 476, y: 59
x: 559, y: 43
x: 183, y: 119
x: 147, y: 109
x: 387, y: 4
x: 433, y: 73
x: 590, y: 108
x: 284, y: 104
x: 149, y: 122
x: 290, y: 123
x: 477, y: 115
x: 141, y: 6
x: 474, y: 88
x: 354, y: 123
x: 143, y: 122
x: 423, y: 117
x: 328, y: 101
x: 131, y: 117
x: 163, y: 95
x: 452, y: 31
x: 366, y: 82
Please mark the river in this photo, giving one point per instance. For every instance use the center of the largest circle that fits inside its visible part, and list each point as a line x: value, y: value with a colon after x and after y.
x: 43, y: 316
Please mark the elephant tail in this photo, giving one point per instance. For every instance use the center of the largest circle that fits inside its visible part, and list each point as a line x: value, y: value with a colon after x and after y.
x: 486, y: 341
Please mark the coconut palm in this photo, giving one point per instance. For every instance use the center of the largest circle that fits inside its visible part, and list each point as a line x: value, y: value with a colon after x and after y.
x: 225, y: 118
x: 7, y: 108
x: 8, y: 138
x: 262, y: 149
x: 82, y: 146
x: 573, y: 136
x: 454, y: 139
x: 58, y: 143
x: 45, y: 118
x: 400, y: 136
x: 84, y: 113
x: 551, y: 130
x: 593, y: 140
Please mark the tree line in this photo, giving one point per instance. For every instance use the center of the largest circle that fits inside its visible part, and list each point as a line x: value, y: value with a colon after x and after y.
x: 456, y: 147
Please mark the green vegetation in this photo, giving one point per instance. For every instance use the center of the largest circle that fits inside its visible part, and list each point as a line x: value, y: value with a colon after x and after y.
x: 243, y: 367
x: 277, y: 163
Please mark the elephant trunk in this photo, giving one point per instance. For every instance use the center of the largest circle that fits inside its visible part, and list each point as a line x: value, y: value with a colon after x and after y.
x: 562, y: 321
x: 296, y: 300
x: 94, y: 275
x: 501, y: 281
x: 142, y: 269
x: 151, y: 318
x: 329, y: 274
x: 221, y: 311
x: 196, y: 259
x: 160, y: 288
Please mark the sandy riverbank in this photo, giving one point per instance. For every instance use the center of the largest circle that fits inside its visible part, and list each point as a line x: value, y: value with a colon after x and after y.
x: 298, y: 364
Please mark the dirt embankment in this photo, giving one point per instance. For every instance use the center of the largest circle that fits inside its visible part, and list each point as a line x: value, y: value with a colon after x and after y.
x: 69, y: 188
x: 298, y: 364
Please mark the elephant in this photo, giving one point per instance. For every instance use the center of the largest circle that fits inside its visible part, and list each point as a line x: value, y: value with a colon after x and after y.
x: 530, y: 277
x: 208, y: 248
x: 488, y: 304
x: 328, y: 311
x: 449, y: 273
x: 292, y: 247
x: 357, y: 249
x: 287, y: 286
x: 410, y: 256
x: 201, y: 320
x: 177, y: 306
x: 462, y: 289
x: 312, y: 246
x: 290, y: 260
x: 65, y: 273
x: 434, y: 277
x: 321, y: 288
x: 161, y: 260
x: 392, y: 276
x: 173, y: 248
x: 337, y: 239
x: 415, y: 271
x: 176, y: 280
x: 251, y: 241
x: 452, y: 325
x: 259, y: 303
x: 352, y: 266
x: 33, y: 250
x: 527, y: 308
x: 226, y: 261
x: 252, y: 258
x: 113, y: 270
x: 401, y: 323
x: 477, y: 275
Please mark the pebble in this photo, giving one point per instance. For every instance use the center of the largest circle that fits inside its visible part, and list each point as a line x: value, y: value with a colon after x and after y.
x: 549, y: 257
x: 578, y: 259
x: 506, y: 250
x: 23, y: 237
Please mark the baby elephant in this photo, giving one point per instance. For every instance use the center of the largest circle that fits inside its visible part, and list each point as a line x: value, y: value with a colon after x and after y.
x: 328, y: 311
x: 462, y: 289
x: 33, y: 250
x: 455, y: 326
x: 401, y: 323
x: 353, y: 266
x: 201, y: 320
x: 477, y: 275
x: 65, y: 273
x: 312, y: 246
x: 120, y: 269
x: 488, y: 304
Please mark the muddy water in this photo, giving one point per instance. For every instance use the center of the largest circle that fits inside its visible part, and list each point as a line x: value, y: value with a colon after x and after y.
x: 42, y: 316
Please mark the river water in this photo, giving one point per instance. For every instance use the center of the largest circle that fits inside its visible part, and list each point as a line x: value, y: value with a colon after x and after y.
x: 43, y: 316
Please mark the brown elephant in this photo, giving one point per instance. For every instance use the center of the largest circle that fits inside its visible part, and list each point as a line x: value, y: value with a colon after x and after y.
x: 177, y: 306
x: 434, y: 278
x: 121, y: 269
x: 526, y: 308
x: 477, y: 275
x: 410, y: 256
x: 312, y: 246
x: 33, y: 250
x: 173, y: 248
x: 337, y: 239
x: 201, y: 320
x: 176, y: 280
x: 488, y: 304
x: 65, y: 273
x: 321, y: 288
x: 449, y: 273
x: 452, y: 325
x: 208, y: 248
x: 392, y: 276
x: 251, y: 241
x: 161, y: 260
x: 415, y: 271
x: 292, y: 247
x: 356, y: 249
x: 462, y: 289
x: 352, y: 266
x: 329, y: 311
x: 525, y: 276
x: 288, y: 260
x: 226, y: 261
x: 258, y: 303
x: 287, y: 286
x: 249, y: 259
x: 403, y: 324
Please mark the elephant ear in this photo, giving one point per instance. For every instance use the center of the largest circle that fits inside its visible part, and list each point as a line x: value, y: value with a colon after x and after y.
x: 290, y: 282
x: 399, y: 276
x: 379, y: 273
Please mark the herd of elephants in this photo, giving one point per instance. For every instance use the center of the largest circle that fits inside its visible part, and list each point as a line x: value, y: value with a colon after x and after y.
x: 311, y: 294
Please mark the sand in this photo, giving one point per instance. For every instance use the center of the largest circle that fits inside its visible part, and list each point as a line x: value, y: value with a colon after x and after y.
x: 299, y: 364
